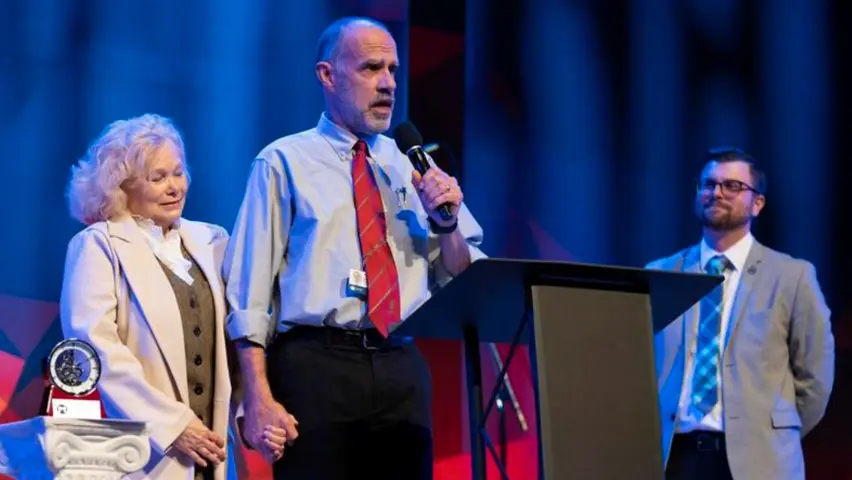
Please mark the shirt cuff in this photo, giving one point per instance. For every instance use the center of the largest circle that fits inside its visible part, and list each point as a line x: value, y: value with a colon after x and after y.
x: 442, y: 277
x: 250, y: 325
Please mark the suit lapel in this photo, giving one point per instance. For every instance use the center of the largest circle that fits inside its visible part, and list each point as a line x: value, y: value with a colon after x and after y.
x: 748, y: 279
x: 154, y: 296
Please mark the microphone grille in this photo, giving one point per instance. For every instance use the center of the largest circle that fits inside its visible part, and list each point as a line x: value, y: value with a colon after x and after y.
x: 406, y: 136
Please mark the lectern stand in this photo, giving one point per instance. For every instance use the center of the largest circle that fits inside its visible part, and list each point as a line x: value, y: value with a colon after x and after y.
x: 590, y: 329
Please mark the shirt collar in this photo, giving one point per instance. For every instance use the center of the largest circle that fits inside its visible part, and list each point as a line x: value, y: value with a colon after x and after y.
x: 343, y: 140
x: 155, y: 231
x: 737, y: 254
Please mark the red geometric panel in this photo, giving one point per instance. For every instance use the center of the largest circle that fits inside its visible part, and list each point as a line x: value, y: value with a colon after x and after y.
x: 24, y: 324
x: 252, y: 465
x: 547, y: 247
x: 10, y: 372
x: 25, y: 321
x: 26, y: 402
x: 521, y: 462
x: 448, y: 395
x: 436, y: 48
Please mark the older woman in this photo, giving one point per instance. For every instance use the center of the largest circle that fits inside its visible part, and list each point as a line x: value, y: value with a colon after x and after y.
x: 142, y: 285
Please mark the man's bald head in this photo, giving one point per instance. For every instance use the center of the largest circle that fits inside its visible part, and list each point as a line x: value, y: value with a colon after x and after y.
x: 328, y: 46
x: 356, y: 66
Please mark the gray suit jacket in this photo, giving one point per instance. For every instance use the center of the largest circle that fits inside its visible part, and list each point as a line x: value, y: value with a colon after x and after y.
x: 777, y: 367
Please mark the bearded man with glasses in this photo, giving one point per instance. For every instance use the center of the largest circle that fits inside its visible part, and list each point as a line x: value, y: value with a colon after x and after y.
x: 747, y: 371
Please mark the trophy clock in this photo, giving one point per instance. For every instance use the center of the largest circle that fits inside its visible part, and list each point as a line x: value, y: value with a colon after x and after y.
x: 73, y: 371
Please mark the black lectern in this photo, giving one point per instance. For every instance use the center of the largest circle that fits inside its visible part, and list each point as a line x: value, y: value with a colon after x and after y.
x: 590, y: 329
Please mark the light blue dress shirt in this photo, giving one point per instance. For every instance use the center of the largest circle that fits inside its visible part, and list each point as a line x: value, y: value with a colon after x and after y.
x: 296, y: 236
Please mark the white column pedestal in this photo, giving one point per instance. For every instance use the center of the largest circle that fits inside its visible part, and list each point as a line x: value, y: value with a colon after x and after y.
x: 64, y: 448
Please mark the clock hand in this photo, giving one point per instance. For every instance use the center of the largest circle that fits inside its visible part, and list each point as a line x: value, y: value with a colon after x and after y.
x: 85, y: 361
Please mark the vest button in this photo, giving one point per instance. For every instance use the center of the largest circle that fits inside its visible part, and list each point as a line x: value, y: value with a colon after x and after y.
x: 199, y: 389
x: 197, y: 331
x: 192, y: 303
x: 198, y: 360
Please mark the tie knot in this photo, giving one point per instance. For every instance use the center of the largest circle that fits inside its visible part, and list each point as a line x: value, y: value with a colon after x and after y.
x: 718, y: 264
x: 361, y: 148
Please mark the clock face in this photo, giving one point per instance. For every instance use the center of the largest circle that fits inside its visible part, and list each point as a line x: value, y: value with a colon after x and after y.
x: 75, y: 367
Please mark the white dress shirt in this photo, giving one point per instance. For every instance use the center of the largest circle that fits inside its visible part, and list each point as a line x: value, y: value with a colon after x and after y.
x: 167, y: 248
x: 297, y: 227
x: 689, y: 418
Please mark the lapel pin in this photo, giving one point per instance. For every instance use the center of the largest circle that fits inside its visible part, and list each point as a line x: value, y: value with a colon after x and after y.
x: 752, y: 270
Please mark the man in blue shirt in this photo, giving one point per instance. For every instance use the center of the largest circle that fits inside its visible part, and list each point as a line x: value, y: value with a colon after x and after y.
x: 331, y: 238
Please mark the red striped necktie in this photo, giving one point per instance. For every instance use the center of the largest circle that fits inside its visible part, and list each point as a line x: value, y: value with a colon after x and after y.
x: 382, y: 278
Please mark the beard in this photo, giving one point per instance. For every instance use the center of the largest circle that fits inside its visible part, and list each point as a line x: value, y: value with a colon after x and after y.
x: 725, y: 218
x: 376, y: 124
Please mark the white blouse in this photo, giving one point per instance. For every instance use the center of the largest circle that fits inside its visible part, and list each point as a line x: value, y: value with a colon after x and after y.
x: 166, y: 247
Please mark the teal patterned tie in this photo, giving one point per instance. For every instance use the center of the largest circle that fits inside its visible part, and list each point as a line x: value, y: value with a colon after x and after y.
x: 705, y: 390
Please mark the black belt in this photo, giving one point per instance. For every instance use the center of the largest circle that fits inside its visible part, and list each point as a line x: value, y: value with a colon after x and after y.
x: 367, y: 339
x: 702, y: 441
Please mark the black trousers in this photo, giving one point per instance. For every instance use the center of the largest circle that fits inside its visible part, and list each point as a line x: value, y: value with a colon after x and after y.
x: 362, y: 412
x: 698, y: 456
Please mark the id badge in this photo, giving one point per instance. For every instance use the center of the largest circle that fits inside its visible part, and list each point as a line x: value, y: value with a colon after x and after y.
x: 357, y: 282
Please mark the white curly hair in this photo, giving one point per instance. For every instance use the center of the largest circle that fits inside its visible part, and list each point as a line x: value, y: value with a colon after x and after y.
x: 120, y: 154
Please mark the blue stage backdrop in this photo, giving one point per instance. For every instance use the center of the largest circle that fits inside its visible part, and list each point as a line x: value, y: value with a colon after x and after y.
x: 586, y: 123
x: 577, y: 128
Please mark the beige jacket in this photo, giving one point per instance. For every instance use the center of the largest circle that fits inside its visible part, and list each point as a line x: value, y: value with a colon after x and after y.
x: 116, y: 296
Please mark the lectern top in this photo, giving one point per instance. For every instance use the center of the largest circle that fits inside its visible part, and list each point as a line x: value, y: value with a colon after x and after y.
x: 493, y: 295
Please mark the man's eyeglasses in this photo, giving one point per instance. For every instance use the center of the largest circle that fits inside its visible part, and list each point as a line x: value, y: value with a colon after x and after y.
x: 730, y: 188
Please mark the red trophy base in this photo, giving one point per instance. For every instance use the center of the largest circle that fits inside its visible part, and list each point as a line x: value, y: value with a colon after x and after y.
x: 65, y: 405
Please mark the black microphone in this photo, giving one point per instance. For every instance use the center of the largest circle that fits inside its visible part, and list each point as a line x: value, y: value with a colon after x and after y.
x: 409, y: 141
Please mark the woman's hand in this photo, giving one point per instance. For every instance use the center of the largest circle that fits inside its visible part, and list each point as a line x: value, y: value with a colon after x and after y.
x: 201, y: 444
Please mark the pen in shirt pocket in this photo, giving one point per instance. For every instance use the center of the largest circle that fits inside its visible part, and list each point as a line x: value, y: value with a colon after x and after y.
x: 402, y: 197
